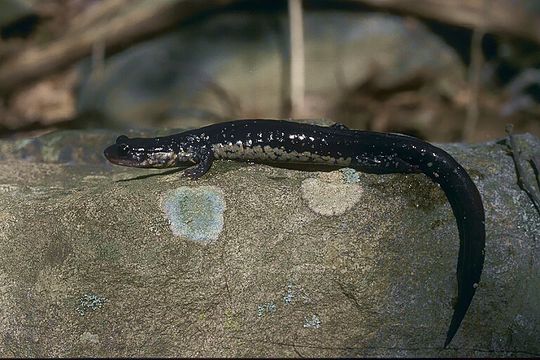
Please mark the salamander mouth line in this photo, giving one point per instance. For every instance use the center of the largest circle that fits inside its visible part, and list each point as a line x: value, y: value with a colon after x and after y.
x: 146, y: 176
x: 284, y: 143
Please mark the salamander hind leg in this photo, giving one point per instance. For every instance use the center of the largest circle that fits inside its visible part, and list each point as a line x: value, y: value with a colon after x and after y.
x: 205, y: 163
x: 339, y: 126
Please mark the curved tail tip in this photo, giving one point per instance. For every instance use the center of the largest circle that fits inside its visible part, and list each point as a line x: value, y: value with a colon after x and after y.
x: 447, y: 342
x: 452, y: 330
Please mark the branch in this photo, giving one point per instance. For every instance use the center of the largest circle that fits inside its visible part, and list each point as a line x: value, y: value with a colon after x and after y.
x: 145, y: 18
x: 520, y: 172
x: 504, y: 16
x: 475, y: 71
x: 296, y: 29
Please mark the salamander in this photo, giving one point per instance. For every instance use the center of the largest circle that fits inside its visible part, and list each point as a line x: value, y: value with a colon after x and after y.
x: 288, y: 142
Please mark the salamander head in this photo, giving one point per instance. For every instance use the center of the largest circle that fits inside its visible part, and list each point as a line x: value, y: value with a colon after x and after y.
x: 145, y: 153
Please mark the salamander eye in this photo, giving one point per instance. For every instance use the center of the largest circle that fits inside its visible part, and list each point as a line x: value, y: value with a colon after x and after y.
x: 123, y: 149
x: 121, y: 139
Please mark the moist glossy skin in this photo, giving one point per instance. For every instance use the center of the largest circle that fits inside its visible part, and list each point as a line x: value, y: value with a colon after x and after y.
x: 278, y: 141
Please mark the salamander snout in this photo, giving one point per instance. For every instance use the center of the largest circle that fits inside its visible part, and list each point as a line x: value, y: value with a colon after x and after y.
x: 140, y: 153
x: 119, y: 153
x: 115, y: 152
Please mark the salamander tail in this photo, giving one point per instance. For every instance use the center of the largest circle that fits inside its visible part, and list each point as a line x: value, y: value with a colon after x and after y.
x: 468, y: 210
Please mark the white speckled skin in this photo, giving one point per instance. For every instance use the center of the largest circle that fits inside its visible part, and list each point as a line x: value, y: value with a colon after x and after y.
x: 241, y: 151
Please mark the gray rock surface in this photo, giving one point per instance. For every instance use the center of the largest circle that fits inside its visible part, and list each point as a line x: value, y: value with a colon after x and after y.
x: 252, y: 260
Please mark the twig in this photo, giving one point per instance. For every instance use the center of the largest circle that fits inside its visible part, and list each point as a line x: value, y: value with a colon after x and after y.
x: 520, y: 172
x: 506, y: 17
x: 475, y: 71
x: 296, y: 29
x: 140, y: 21
x: 535, y: 162
x: 474, y: 82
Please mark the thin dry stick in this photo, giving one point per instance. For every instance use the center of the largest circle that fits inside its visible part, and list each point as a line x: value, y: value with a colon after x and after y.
x: 535, y: 161
x: 505, y: 17
x: 142, y: 20
x: 520, y: 172
x: 474, y: 82
x: 296, y: 29
x: 475, y: 70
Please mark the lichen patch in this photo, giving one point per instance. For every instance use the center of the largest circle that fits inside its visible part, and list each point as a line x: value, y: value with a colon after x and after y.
x: 195, y: 213
x: 330, y: 194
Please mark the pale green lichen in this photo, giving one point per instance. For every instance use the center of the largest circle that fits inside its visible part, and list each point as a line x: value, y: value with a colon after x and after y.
x: 350, y: 176
x: 289, y: 295
x: 90, y: 302
x: 195, y: 213
x: 266, y: 308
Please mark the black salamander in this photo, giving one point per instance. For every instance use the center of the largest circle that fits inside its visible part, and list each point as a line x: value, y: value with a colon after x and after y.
x: 278, y: 141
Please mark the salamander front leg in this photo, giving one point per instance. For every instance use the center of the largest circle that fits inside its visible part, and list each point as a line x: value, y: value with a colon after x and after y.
x: 205, y: 163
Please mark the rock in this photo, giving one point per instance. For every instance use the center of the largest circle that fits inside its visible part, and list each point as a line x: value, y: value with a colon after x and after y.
x: 90, y: 265
x: 235, y: 64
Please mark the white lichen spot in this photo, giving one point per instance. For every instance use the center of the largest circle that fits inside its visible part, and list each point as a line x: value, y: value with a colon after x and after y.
x: 89, y: 338
x: 289, y: 296
x: 313, y: 322
x: 90, y: 302
x: 350, y: 176
x: 329, y: 194
x: 266, y: 308
x: 5, y: 188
